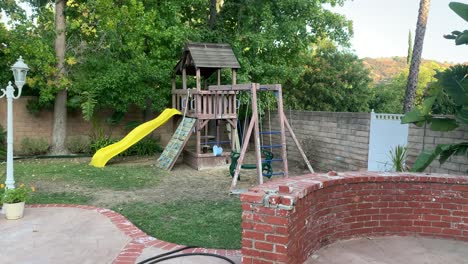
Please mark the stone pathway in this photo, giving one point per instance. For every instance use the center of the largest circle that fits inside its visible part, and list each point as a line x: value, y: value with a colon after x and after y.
x: 49, y: 234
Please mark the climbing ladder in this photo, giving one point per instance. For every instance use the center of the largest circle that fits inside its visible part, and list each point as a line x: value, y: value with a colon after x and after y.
x: 176, y: 144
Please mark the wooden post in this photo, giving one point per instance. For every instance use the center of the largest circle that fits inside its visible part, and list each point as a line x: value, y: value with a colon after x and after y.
x: 234, y: 76
x: 173, y: 93
x: 198, y: 77
x: 284, y: 154
x: 184, y: 78
x: 219, y: 76
x: 242, y: 153
x: 258, y: 154
x: 297, y: 144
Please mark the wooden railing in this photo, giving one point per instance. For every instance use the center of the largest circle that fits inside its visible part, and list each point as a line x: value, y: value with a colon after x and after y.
x: 206, y: 104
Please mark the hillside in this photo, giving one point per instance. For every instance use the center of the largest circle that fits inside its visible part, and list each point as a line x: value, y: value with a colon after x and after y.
x: 385, y: 68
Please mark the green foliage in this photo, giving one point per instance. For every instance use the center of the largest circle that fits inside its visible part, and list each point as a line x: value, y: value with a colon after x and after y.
x: 388, y: 95
x: 17, y: 195
x: 398, y: 157
x: 34, y: 146
x: 79, y: 144
x: 100, y: 142
x: 453, y: 84
x: 212, y: 224
x: 460, y: 9
x: 145, y: 147
x: 333, y: 80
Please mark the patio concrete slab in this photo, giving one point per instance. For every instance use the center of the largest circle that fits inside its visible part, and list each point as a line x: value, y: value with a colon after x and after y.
x: 49, y: 234
x: 60, y: 235
x: 393, y: 250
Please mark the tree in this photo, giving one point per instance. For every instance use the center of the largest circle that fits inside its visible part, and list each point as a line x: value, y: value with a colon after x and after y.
x: 333, y: 80
x: 416, y: 56
x: 451, y: 90
x: 59, y: 130
x: 410, y: 48
x: 270, y: 38
x: 389, y: 94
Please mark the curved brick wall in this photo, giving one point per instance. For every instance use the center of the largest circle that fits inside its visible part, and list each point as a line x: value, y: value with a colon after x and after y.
x: 286, y: 220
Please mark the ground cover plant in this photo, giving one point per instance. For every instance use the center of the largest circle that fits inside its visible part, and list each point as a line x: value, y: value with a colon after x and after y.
x: 177, y: 206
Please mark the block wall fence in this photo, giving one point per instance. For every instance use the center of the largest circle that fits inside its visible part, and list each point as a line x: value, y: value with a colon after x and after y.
x: 333, y: 140
x: 340, y: 141
x: 287, y: 220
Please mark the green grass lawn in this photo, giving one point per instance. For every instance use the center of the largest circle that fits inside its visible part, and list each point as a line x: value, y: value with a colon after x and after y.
x: 213, y: 222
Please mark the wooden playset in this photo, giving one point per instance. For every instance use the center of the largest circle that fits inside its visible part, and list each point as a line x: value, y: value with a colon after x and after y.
x: 209, y: 108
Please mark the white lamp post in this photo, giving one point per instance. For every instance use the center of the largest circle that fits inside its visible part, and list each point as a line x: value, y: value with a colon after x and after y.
x: 20, y: 69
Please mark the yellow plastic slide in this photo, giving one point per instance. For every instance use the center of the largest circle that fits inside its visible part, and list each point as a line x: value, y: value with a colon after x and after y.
x: 102, y: 156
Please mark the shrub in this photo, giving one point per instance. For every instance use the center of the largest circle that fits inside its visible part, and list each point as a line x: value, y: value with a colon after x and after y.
x: 100, y: 142
x: 145, y: 147
x: 79, y: 144
x: 34, y: 146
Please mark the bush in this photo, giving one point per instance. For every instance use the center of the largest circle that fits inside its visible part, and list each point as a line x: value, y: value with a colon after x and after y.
x: 145, y: 147
x: 100, y: 142
x: 34, y: 146
x: 79, y: 144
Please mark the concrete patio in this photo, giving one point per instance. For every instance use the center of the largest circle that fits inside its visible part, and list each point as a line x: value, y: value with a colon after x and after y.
x: 393, y: 250
x: 84, y: 234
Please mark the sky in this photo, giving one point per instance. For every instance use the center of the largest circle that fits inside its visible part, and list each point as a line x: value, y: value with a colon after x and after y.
x: 381, y: 28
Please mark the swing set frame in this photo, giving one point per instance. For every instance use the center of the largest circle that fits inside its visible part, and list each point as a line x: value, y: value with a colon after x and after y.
x: 254, y: 128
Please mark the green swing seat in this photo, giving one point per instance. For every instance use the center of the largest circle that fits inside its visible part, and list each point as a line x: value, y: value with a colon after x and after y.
x: 267, y: 169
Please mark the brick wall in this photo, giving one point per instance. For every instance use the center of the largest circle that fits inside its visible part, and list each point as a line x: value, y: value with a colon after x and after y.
x: 287, y: 220
x: 420, y: 138
x: 40, y: 126
x: 332, y: 140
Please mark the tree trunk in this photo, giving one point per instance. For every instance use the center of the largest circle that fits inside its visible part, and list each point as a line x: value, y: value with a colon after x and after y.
x: 59, y: 131
x: 416, y: 58
x: 213, y: 13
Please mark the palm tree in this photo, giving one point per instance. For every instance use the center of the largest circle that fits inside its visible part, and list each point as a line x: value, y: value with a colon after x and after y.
x: 416, y: 58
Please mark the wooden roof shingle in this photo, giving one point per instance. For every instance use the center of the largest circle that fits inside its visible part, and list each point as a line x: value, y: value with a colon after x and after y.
x: 208, y: 57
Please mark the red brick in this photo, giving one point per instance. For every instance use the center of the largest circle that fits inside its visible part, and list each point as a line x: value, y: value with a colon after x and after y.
x: 460, y: 188
x: 276, y: 220
x: 285, y: 189
x: 263, y: 246
x: 252, y: 197
x: 253, y: 235
x: 247, y: 243
x: 452, y: 232
x: 277, y: 239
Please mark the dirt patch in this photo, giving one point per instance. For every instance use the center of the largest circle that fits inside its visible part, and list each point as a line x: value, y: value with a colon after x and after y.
x: 182, y: 183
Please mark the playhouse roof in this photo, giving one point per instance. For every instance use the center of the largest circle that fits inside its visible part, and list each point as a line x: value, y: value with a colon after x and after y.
x: 208, y: 57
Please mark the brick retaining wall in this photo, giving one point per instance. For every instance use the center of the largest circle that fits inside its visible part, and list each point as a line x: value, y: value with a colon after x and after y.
x: 286, y: 220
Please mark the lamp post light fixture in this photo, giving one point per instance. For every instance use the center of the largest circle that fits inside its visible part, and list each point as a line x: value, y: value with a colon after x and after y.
x: 20, y: 69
